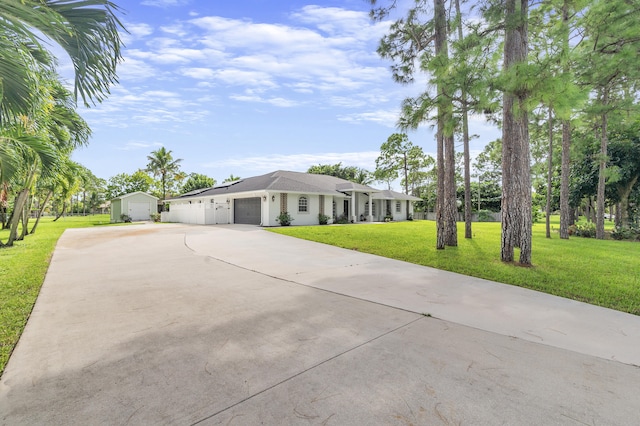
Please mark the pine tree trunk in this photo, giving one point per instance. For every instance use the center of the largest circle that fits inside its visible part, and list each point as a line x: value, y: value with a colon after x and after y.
x: 565, y: 211
x: 565, y: 219
x: 445, y: 116
x: 549, y: 174
x: 451, y: 213
x: 465, y: 139
x: 442, y: 222
x: 440, y: 228
x: 601, y: 171
x: 516, y: 175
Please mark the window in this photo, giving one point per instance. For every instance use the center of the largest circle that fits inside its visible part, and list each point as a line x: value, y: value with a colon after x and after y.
x: 398, y: 207
x: 335, y: 210
x: 303, y: 205
x: 366, y: 208
x: 373, y: 208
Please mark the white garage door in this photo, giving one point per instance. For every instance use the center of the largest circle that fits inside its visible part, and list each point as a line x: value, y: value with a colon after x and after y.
x: 139, y: 211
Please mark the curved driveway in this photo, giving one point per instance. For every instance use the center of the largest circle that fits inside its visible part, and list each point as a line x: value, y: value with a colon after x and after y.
x: 177, y: 324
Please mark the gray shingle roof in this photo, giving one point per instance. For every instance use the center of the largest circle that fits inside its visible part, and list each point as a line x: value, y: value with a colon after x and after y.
x: 285, y: 181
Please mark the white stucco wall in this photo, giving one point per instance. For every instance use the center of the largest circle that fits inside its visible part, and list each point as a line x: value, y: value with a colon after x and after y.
x: 212, y: 210
x: 122, y: 205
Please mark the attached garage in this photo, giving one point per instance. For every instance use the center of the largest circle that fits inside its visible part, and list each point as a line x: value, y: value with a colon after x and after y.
x: 247, y: 211
x: 137, y: 205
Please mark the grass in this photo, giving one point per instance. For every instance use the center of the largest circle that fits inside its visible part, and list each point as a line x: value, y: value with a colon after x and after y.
x: 600, y: 272
x: 22, y: 268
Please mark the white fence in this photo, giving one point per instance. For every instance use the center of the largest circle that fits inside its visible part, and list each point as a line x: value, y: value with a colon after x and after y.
x: 486, y: 216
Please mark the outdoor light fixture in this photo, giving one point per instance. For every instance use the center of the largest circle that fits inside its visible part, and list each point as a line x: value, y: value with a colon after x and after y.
x: 273, y: 198
x: 227, y: 201
x: 264, y: 198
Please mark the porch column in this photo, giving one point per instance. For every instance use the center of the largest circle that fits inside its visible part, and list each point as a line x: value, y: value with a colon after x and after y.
x: 354, y: 214
x: 370, y: 218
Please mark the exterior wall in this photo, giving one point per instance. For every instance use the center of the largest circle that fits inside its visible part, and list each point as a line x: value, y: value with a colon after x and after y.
x: 399, y: 215
x: 116, y: 210
x: 202, y: 211
x: 185, y: 212
x: 151, y: 202
x: 121, y: 205
x: 310, y: 217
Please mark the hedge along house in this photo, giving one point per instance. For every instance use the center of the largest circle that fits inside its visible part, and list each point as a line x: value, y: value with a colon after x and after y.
x: 260, y: 200
x: 137, y: 205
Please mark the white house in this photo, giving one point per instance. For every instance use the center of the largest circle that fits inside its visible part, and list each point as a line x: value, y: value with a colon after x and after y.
x: 136, y: 205
x: 259, y: 200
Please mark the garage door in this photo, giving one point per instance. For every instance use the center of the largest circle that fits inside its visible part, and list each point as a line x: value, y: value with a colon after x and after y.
x: 139, y: 211
x: 247, y: 210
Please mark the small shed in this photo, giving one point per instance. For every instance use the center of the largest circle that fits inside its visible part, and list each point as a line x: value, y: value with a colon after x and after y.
x: 136, y: 205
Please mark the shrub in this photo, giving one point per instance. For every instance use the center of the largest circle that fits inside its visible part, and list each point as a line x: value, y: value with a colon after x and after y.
x: 155, y: 217
x: 125, y: 217
x: 485, y: 216
x: 284, y: 219
x: 631, y: 232
x: 536, y: 215
x: 586, y: 230
x: 323, y: 219
x: 342, y: 220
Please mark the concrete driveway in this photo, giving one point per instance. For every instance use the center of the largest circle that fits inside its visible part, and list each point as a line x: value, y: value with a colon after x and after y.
x: 176, y: 324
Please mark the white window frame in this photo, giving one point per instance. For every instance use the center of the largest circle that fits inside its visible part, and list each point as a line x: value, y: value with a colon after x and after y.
x: 303, y: 204
x: 398, y: 207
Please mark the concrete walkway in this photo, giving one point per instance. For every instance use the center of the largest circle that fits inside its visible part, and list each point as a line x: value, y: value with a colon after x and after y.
x: 175, y: 324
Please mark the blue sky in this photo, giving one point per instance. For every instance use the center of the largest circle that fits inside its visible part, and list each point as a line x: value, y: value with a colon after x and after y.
x: 250, y: 86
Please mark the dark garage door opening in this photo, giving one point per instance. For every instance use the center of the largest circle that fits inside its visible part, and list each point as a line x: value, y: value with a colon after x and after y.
x: 247, y: 211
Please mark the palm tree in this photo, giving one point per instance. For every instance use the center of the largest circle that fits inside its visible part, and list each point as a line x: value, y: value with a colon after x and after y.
x: 161, y: 163
x: 231, y: 178
x: 86, y: 29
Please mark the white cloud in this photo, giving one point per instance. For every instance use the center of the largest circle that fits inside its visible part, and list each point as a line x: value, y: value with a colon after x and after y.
x: 300, y: 162
x: 134, y: 69
x: 164, y: 3
x: 134, y: 145
x: 386, y: 118
x: 339, y: 22
x: 277, y: 101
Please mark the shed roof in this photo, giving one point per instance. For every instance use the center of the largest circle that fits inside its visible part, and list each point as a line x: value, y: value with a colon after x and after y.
x: 120, y: 197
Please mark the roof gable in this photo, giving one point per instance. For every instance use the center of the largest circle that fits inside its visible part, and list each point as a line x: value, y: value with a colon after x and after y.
x: 134, y: 193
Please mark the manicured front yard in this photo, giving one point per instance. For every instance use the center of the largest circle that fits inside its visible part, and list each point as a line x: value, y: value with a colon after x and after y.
x: 22, y: 270
x: 605, y: 273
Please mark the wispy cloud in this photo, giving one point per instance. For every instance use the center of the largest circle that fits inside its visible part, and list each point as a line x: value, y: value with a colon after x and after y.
x: 135, y: 145
x: 164, y: 3
x: 300, y: 162
x: 384, y: 117
x: 322, y: 57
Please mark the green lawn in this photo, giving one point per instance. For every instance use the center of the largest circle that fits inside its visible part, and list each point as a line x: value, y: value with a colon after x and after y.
x: 605, y: 273
x: 22, y: 270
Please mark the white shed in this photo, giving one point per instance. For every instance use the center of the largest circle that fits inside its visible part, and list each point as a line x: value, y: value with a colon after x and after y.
x: 136, y: 205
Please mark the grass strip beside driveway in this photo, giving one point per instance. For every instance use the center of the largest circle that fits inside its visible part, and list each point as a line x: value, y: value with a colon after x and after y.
x: 599, y: 272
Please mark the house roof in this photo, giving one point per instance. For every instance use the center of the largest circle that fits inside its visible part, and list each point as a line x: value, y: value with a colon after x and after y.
x: 285, y: 181
x: 387, y: 194
x: 134, y: 193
